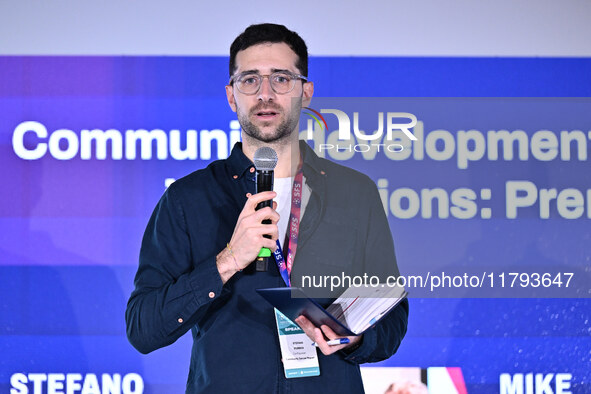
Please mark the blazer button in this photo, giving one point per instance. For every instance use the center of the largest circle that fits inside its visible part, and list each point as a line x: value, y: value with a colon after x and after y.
x: 211, y: 294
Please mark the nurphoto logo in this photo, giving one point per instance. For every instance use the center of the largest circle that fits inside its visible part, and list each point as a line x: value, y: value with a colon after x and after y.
x: 395, y: 122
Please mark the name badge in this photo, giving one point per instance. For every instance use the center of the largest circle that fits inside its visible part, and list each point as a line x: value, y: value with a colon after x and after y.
x: 297, y: 351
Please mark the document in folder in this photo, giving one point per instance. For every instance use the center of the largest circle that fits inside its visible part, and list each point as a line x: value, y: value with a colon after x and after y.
x: 356, y: 310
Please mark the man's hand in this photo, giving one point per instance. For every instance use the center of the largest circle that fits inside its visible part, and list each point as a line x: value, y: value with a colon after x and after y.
x: 318, y: 335
x: 247, y: 239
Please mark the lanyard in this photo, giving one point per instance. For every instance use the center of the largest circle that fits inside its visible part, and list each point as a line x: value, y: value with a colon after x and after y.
x: 294, y: 229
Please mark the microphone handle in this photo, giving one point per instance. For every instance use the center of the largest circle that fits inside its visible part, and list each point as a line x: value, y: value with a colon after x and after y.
x: 264, y: 183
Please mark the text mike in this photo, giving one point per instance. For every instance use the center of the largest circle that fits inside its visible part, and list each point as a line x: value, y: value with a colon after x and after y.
x: 265, y: 160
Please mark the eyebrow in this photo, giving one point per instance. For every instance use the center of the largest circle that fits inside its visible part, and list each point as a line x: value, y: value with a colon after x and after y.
x: 273, y: 70
x: 254, y: 71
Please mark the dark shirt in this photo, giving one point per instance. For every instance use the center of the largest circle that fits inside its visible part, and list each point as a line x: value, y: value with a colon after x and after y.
x: 236, y: 347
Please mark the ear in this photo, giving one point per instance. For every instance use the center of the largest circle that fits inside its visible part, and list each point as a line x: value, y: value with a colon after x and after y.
x: 230, y: 97
x: 308, y: 93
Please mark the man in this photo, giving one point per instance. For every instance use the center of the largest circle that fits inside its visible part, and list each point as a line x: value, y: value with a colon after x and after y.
x: 196, y: 266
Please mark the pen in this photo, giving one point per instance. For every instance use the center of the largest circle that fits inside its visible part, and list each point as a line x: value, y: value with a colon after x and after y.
x: 334, y: 342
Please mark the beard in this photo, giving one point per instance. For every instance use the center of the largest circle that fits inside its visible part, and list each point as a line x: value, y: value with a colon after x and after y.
x: 283, y: 130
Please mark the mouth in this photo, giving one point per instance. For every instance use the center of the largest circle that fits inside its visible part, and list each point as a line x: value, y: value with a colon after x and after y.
x: 266, y: 114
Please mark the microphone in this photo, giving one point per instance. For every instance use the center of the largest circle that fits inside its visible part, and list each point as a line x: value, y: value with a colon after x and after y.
x: 265, y: 160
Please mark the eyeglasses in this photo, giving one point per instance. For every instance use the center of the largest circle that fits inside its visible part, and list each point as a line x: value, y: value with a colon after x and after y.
x: 282, y: 82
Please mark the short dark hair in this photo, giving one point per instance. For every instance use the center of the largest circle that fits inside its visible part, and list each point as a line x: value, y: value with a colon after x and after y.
x: 270, y: 33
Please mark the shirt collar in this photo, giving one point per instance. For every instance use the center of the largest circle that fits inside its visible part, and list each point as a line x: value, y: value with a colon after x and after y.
x: 240, y: 164
x: 311, y: 160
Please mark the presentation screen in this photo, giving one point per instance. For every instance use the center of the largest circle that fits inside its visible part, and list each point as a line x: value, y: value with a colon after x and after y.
x: 482, y: 166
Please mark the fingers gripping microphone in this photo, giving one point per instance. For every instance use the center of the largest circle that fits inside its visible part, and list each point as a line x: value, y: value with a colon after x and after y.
x: 265, y: 160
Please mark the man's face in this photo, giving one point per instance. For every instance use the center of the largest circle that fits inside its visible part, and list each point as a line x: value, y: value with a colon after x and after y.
x: 267, y: 116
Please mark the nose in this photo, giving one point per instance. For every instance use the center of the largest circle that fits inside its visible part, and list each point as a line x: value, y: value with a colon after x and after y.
x: 266, y: 92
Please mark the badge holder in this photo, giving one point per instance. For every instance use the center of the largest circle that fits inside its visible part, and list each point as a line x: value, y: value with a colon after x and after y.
x: 299, y: 355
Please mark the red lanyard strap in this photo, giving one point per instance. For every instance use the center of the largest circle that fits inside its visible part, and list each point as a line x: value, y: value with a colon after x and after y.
x: 294, y: 229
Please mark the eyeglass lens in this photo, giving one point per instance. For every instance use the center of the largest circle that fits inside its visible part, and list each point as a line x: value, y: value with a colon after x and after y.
x: 280, y: 82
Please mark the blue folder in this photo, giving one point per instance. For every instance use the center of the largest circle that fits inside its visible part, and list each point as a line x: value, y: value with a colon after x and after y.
x: 292, y: 302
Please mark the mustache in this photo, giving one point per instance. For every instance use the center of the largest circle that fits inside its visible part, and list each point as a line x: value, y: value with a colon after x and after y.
x: 265, y: 107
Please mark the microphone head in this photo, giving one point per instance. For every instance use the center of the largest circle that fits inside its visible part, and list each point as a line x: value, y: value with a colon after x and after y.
x: 265, y: 159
